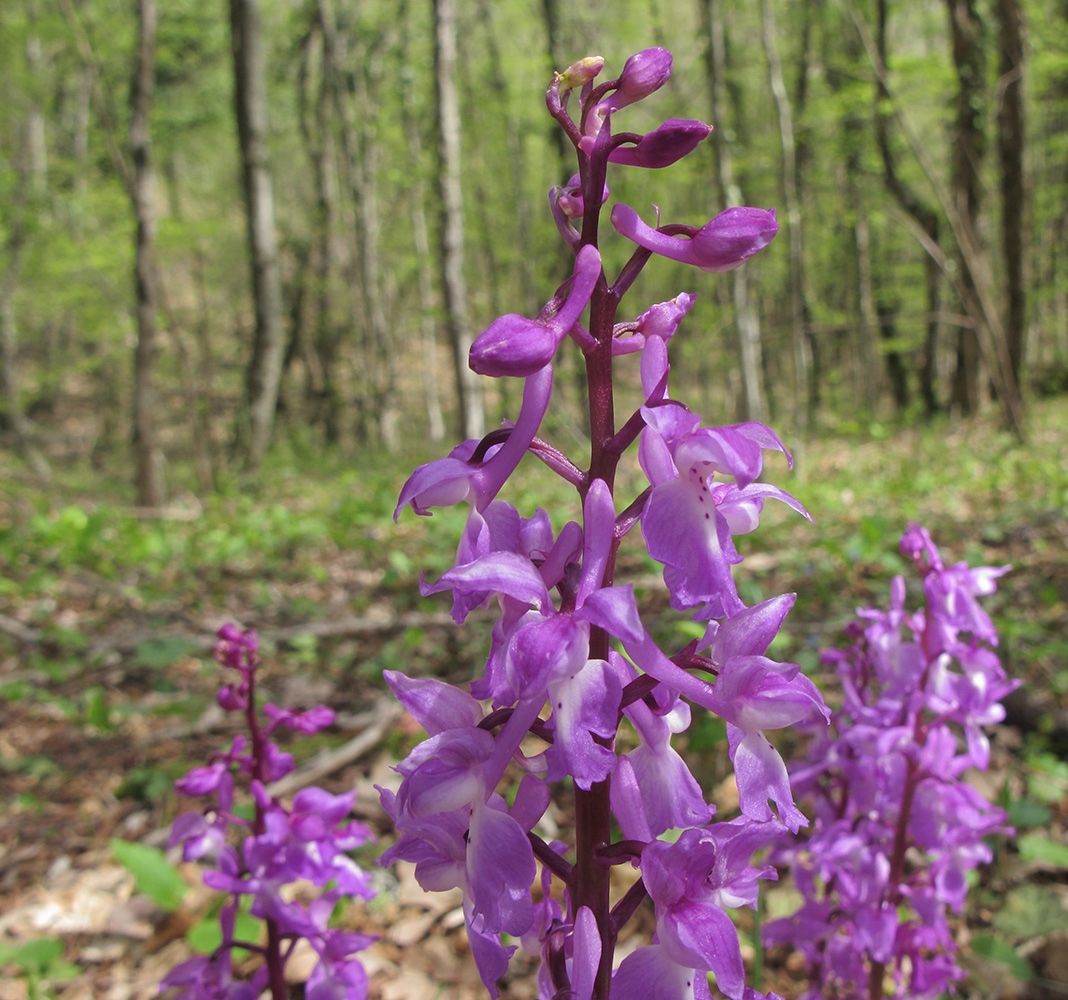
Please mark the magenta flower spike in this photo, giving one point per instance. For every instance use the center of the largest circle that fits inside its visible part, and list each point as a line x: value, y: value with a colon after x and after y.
x: 873, y: 924
x: 723, y: 244
x: 307, y: 841
x: 578, y: 689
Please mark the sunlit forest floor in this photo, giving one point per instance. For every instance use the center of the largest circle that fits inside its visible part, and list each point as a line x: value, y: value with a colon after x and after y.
x: 107, y: 683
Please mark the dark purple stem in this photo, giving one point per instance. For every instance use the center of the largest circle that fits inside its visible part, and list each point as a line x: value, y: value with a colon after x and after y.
x: 559, y: 463
x: 272, y: 953
x: 593, y: 816
x: 627, y: 906
x: 548, y: 857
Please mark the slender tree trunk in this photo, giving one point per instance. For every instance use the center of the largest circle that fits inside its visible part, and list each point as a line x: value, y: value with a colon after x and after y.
x: 969, y: 146
x: 357, y: 141
x: 31, y: 166
x: 10, y: 400
x: 322, y: 378
x: 754, y: 405
x: 924, y: 215
x: 148, y: 459
x: 868, y: 383
x: 1011, y: 144
x: 250, y: 105
x: 805, y: 392
x: 468, y: 386
x: 421, y: 244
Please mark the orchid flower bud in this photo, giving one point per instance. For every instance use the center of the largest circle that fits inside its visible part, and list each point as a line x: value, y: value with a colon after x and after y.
x: 643, y: 73
x: 581, y: 72
x: 569, y: 197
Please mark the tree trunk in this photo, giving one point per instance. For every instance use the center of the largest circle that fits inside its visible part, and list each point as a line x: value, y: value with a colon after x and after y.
x: 31, y: 176
x: 10, y: 400
x: 925, y: 216
x: 468, y: 386
x: 969, y: 146
x: 805, y: 390
x: 148, y: 460
x: 754, y: 406
x: 321, y: 360
x: 250, y: 106
x: 355, y: 112
x: 1011, y: 144
x: 421, y: 244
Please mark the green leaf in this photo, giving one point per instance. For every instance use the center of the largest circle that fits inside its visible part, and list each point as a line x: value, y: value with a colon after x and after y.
x: 1030, y: 911
x: 1026, y: 812
x: 36, y: 956
x: 97, y: 712
x: 156, y: 877
x: 1035, y: 847
x: 206, y: 935
x: 162, y: 652
x: 1001, y: 951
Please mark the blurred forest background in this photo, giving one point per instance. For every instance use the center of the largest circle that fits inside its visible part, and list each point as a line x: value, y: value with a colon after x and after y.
x: 217, y: 231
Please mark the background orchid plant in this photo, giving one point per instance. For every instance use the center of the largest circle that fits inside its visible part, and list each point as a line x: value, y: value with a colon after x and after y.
x: 260, y: 859
x: 897, y: 829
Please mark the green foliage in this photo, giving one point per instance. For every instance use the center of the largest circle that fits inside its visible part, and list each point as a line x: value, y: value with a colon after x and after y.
x: 206, y: 935
x: 1036, y: 847
x: 40, y: 962
x: 153, y: 873
x: 999, y: 950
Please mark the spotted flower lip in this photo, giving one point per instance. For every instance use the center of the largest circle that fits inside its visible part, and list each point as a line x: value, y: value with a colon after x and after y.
x: 723, y: 244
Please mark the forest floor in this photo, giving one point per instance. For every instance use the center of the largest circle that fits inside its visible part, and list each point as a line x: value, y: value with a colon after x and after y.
x: 107, y: 689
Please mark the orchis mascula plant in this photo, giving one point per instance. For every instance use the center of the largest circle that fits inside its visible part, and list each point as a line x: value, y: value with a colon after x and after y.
x: 897, y: 829
x: 570, y: 639
x: 306, y: 842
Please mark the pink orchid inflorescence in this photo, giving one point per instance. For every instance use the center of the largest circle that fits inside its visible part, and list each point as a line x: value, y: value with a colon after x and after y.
x: 897, y: 828
x: 575, y: 691
x: 259, y: 854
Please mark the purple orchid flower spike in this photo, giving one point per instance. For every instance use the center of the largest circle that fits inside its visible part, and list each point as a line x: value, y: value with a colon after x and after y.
x: 569, y: 658
x: 723, y: 244
x: 517, y: 346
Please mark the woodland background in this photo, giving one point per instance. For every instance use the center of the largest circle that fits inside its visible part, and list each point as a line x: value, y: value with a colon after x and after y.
x: 204, y: 419
x: 394, y: 159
